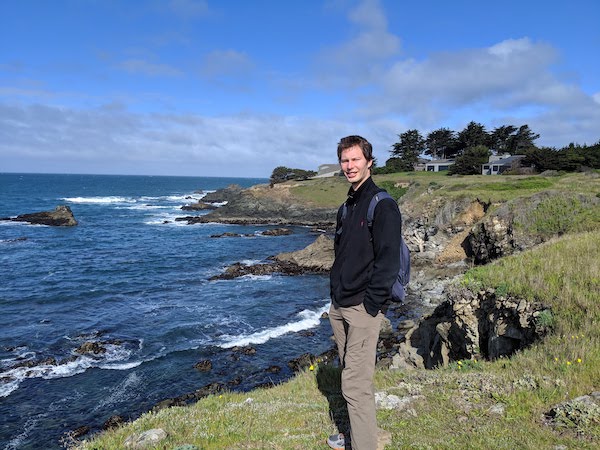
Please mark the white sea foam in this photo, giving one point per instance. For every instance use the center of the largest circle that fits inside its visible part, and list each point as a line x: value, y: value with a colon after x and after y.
x: 256, y: 277
x: 184, y: 198
x: 123, y: 366
x: 99, y: 200
x: 250, y: 262
x: 166, y: 219
x: 112, y: 359
x: 9, y: 387
x: 307, y: 319
x: 121, y: 391
x: 144, y: 207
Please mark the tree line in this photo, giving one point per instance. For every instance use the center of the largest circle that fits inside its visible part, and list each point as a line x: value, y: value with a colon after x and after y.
x: 472, y: 147
x: 469, y: 149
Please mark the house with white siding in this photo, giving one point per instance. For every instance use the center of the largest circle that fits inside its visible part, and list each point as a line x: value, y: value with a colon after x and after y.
x: 501, y: 163
x: 438, y: 165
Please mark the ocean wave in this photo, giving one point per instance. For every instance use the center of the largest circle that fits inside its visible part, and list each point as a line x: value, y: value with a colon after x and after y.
x: 183, y: 198
x: 166, y: 219
x: 143, y: 207
x: 113, y: 359
x: 307, y: 319
x: 255, y: 277
x: 123, y: 390
x: 99, y: 200
x: 250, y: 262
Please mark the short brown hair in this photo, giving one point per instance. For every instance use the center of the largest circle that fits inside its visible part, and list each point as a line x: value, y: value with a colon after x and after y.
x: 351, y: 141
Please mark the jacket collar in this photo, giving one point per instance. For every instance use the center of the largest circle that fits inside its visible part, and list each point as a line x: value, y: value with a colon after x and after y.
x: 354, y: 196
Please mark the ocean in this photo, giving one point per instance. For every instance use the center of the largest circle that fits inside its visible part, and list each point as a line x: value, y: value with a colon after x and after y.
x: 133, y: 281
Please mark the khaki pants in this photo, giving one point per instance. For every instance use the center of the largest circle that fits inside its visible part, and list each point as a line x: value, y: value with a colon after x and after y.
x: 356, y: 334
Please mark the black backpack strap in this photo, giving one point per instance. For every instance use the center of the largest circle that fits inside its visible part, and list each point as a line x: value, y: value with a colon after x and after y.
x: 373, y: 204
x: 344, y: 213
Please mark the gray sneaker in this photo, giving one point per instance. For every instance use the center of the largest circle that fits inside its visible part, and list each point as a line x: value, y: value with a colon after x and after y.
x: 337, y: 441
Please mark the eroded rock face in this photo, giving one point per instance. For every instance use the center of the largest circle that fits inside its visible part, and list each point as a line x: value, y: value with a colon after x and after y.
x: 317, y: 256
x: 471, y: 325
x: 61, y: 216
x: 490, y: 239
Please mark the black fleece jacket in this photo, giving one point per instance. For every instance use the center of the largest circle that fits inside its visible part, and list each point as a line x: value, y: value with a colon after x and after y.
x: 366, y: 261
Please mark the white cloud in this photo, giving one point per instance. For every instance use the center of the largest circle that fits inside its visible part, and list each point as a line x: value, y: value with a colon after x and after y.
x: 113, y: 140
x: 354, y: 63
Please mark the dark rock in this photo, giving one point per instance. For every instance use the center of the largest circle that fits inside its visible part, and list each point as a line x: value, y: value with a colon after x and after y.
x: 203, y: 366
x: 168, y: 403
x: 209, y: 389
x: 90, y: 347
x: 248, y: 350
x: 227, y: 234
x: 239, y: 270
x: 235, y: 382
x: 265, y: 385
x: 306, y: 333
x: 302, y: 362
x: 113, y: 422
x: 198, y: 206
x: 50, y: 361
x: 273, y: 369
x: 61, y: 216
x: 80, y: 431
x: 223, y: 195
x: 19, y: 239
x: 277, y: 232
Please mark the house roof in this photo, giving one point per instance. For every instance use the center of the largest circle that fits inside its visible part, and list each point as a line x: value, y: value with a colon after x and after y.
x: 440, y: 161
x: 506, y: 161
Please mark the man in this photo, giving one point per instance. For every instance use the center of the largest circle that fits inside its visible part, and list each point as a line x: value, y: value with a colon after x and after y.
x: 365, y: 268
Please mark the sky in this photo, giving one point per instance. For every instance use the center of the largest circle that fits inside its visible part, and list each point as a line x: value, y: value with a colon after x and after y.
x: 239, y: 87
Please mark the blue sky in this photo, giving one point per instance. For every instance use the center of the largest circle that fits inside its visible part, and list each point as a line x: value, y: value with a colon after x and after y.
x: 237, y: 88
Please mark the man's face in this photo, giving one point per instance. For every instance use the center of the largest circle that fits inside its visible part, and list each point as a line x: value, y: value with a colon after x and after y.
x: 355, y: 166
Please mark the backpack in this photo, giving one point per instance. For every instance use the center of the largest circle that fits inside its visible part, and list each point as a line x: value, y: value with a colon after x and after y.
x: 400, y: 285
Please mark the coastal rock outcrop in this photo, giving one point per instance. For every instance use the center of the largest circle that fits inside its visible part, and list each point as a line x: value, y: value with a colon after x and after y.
x: 61, y: 216
x: 198, y: 206
x: 273, y: 232
x: 263, y: 205
x: 472, y: 325
x: 223, y: 195
x: 315, y: 258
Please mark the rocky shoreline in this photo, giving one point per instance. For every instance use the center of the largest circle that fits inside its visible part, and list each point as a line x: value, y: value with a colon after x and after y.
x: 438, y: 324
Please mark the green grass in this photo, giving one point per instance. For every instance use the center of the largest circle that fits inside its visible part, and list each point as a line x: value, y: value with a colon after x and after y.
x: 322, y: 192
x: 468, y: 405
x: 454, y: 410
